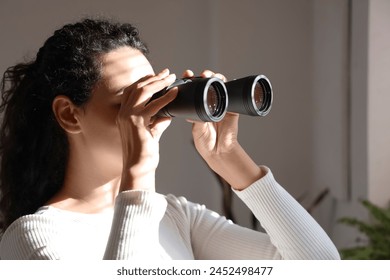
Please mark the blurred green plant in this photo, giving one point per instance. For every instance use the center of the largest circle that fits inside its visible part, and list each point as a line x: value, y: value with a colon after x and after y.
x: 377, y: 232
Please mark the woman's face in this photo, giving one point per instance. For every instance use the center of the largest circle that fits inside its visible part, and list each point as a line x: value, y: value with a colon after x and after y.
x: 100, y: 135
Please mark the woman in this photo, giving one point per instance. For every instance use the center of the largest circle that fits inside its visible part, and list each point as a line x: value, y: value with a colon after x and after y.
x: 79, y: 148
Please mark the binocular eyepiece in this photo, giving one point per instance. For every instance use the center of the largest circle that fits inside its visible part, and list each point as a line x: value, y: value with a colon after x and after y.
x: 208, y: 99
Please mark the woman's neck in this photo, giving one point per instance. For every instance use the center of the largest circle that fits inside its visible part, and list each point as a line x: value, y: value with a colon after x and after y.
x: 96, y: 199
x: 87, y: 188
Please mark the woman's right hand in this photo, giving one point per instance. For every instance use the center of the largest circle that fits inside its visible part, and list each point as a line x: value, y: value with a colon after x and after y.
x: 140, y: 130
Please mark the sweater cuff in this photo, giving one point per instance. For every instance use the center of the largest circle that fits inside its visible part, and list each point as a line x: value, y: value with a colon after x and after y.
x: 139, y: 212
x: 149, y: 205
x: 260, y: 196
x: 267, y: 181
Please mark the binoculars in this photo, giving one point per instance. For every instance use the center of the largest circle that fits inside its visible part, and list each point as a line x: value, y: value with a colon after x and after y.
x: 208, y: 99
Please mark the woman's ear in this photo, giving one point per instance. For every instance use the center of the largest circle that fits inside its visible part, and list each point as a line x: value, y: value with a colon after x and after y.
x: 66, y: 114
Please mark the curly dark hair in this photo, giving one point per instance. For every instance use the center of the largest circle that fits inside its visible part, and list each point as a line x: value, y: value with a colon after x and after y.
x: 33, y: 147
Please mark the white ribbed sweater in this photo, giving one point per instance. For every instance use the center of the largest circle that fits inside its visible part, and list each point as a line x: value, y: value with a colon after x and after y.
x: 148, y: 225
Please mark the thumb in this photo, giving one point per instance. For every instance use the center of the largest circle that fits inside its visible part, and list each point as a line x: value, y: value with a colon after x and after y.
x: 159, y: 126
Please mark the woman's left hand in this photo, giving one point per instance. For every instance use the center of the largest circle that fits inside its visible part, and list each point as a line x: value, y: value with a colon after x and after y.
x: 213, y: 139
x: 217, y: 143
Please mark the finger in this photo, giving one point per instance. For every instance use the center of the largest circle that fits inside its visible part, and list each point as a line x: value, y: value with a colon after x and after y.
x: 207, y: 74
x: 220, y: 76
x: 159, y: 126
x: 231, y: 118
x: 157, y: 104
x: 188, y: 74
x: 194, y: 121
x: 232, y: 114
x: 203, y: 130
x: 144, y: 93
x: 152, y: 78
x: 157, y: 84
x: 142, y: 82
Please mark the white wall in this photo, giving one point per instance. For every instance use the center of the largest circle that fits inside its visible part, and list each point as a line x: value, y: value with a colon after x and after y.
x: 301, y: 45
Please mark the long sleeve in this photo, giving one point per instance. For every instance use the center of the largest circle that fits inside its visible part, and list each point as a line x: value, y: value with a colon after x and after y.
x: 292, y: 230
x: 291, y: 233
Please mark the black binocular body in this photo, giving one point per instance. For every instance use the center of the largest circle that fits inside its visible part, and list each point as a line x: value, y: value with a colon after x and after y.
x: 208, y: 99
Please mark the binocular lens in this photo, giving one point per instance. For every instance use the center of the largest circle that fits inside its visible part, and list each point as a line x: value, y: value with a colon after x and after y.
x: 258, y: 96
x: 214, y: 101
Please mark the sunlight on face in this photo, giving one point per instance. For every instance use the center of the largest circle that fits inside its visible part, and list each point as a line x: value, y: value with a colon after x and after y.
x: 123, y: 67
